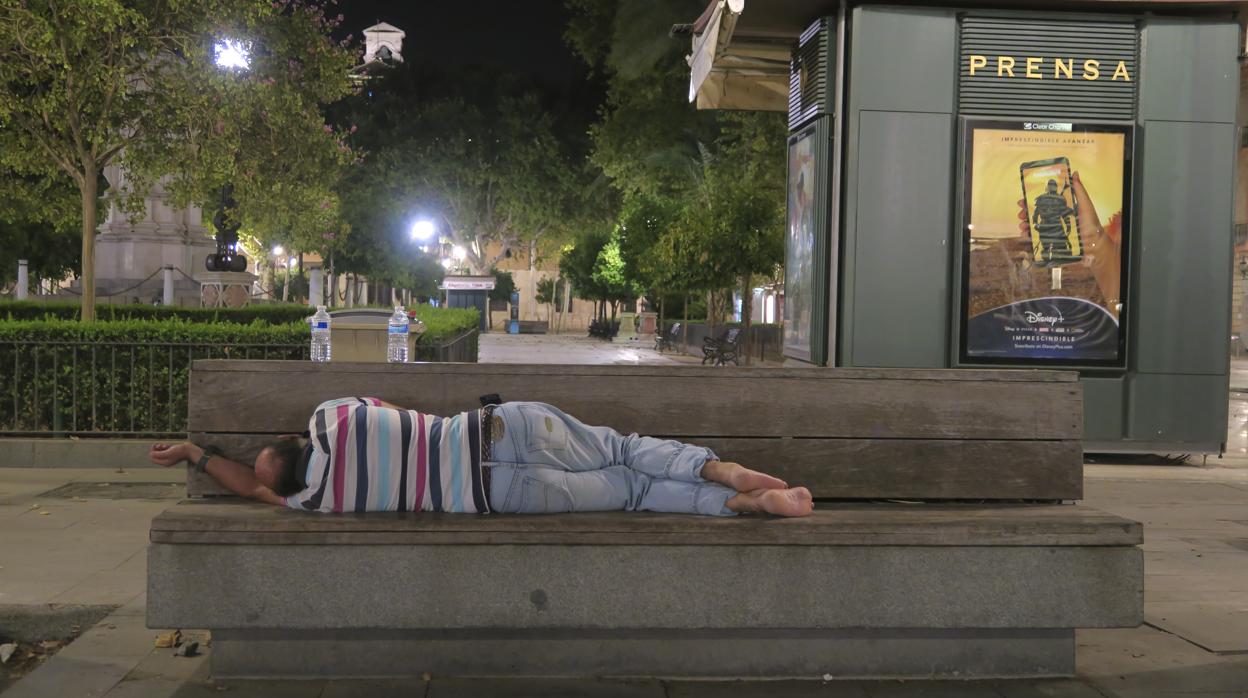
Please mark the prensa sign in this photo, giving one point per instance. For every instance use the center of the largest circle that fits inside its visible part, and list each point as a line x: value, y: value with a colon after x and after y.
x: 1044, y: 68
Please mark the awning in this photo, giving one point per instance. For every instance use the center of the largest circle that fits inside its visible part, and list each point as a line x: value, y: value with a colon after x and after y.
x: 736, y: 72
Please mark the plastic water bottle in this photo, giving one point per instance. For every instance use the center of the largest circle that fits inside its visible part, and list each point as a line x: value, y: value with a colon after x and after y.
x: 320, y: 334
x: 396, y: 342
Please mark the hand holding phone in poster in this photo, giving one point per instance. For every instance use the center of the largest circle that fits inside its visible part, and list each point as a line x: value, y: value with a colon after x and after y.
x: 1101, y: 246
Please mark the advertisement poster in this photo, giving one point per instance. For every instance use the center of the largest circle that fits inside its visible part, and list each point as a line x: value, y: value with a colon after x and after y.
x: 799, y: 249
x: 1045, y: 226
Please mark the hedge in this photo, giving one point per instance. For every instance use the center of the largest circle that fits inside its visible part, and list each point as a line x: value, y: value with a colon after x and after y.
x: 268, y: 314
x: 131, y: 376
x: 441, y: 324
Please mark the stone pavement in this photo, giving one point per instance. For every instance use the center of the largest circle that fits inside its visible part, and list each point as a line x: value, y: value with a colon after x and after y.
x: 499, y: 348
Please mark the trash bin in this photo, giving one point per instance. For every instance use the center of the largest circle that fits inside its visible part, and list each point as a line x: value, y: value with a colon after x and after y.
x: 361, y: 334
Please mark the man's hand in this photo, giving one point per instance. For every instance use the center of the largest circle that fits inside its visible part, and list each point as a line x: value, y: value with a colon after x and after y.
x: 172, y: 454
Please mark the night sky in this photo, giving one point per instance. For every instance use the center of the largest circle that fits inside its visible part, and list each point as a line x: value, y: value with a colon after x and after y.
x: 519, y: 36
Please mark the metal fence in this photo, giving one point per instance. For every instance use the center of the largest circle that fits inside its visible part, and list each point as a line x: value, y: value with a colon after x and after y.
x: 68, y: 388
x: 462, y: 348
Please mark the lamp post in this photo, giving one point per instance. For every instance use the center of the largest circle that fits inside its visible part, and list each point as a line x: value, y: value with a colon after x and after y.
x: 230, y: 55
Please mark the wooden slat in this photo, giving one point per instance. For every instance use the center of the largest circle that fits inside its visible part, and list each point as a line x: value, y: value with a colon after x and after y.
x: 204, y: 522
x: 272, y: 397
x: 234, y: 366
x: 850, y: 468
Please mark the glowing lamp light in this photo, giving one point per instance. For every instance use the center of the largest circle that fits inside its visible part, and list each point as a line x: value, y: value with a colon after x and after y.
x: 231, y: 53
x: 278, y: 250
x: 423, y: 230
x: 446, y: 263
x: 458, y: 252
x: 292, y: 262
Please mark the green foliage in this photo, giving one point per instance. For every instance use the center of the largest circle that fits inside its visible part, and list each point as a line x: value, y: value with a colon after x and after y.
x: 124, y: 376
x: 492, y: 161
x: 441, y: 323
x: 702, y: 192
x: 253, y: 314
x: 550, y: 290
x: 609, y: 273
x: 40, y: 221
x: 577, y: 263
x: 84, y: 85
x: 504, y: 285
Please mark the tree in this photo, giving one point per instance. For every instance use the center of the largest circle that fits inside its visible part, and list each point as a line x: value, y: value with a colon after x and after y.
x: 39, y: 222
x: 87, y: 84
x: 702, y: 192
x: 550, y: 292
x: 611, y: 277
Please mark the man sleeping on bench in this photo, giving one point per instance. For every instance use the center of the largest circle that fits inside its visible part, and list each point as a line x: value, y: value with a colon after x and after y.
x: 363, y: 454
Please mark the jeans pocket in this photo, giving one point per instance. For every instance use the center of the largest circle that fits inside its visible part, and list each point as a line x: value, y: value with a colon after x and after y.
x: 546, y: 430
x: 541, y: 497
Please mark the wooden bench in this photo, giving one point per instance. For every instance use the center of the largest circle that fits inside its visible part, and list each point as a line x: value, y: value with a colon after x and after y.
x: 984, y: 573
x: 725, y: 348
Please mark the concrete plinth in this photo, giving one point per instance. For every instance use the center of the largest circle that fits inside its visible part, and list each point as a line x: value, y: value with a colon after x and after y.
x: 721, y: 654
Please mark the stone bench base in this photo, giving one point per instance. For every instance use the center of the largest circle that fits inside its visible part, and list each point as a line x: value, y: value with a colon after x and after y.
x: 854, y: 590
x: 663, y: 653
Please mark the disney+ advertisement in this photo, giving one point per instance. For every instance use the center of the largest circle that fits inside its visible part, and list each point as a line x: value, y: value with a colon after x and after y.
x: 1045, y: 227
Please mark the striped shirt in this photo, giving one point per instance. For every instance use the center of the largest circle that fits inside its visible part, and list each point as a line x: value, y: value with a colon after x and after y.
x: 365, y: 457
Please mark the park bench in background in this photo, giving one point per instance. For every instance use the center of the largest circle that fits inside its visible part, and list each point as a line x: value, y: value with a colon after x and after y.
x: 723, y: 349
x: 667, y: 341
x: 985, y: 570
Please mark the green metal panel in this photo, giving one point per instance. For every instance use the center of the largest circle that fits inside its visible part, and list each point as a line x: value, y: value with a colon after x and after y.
x: 1190, y: 71
x: 1184, y: 245
x: 901, y: 255
x: 903, y: 59
x: 1176, y: 409
x: 898, y: 188
x: 1103, y: 408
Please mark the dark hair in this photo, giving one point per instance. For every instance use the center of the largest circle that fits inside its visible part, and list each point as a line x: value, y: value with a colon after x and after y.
x: 289, y: 454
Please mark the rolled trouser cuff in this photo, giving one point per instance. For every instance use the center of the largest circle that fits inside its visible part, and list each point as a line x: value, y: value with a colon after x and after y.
x: 711, y: 499
x: 686, y: 463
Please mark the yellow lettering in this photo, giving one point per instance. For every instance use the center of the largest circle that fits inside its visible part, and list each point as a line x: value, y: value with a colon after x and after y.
x: 978, y: 62
x: 1121, y: 70
x: 1066, y: 67
x: 1005, y: 64
x: 1033, y: 67
x: 1091, y: 69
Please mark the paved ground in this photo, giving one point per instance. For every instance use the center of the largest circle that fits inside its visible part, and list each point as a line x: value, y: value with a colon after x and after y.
x: 497, y: 348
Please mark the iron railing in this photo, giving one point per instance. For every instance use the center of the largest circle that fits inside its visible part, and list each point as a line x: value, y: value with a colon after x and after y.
x: 120, y: 389
x: 462, y: 348
x: 82, y: 388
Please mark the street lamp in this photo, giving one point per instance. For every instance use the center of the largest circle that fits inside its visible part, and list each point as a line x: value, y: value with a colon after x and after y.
x: 423, y: 230
x: 458, y: 252
x: 230, y: 54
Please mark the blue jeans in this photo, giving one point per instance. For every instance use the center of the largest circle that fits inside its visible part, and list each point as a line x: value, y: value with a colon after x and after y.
x: 545, y: 461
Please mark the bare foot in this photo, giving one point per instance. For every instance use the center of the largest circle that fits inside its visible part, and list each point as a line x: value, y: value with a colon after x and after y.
x: 740, y: 478
x: 791, y: 502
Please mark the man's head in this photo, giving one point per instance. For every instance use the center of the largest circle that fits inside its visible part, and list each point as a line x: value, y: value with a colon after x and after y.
x: 1052, y: 186
x: 277, y: 466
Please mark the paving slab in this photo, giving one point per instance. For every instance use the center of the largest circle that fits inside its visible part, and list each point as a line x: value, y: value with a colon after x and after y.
x: 767, y: 689
x: 543, y: 688
x: 94, y: 663
x: 378, y: 688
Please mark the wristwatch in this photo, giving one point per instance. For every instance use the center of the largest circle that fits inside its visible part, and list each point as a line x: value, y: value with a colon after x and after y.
x: 209, y: 452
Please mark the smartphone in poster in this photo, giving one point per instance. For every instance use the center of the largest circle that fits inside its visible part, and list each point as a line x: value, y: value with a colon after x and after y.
x: 1045, y: 230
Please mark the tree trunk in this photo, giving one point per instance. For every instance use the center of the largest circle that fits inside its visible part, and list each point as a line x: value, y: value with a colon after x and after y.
x: 90, y: 204
x: 684, y: 327
x: 563, y: 304
x: 286, y: 283
x: 747, y: 309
